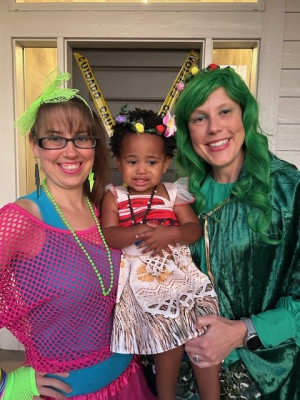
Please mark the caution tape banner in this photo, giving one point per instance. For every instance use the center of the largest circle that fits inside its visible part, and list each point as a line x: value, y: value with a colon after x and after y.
x: 95, y: 92
x: 173, y: 94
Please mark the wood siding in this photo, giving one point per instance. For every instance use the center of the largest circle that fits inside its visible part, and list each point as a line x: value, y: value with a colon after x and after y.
x: 288, y: 133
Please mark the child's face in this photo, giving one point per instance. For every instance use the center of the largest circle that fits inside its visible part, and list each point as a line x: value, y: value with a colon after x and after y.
x: 142, y: 162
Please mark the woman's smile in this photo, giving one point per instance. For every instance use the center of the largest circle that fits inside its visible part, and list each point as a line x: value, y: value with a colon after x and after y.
x: 219, y: 145
x: 70, y: 167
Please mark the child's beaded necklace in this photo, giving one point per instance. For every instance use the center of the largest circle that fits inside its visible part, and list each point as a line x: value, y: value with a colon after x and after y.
x: 149, y: 204
x: 78, y: 241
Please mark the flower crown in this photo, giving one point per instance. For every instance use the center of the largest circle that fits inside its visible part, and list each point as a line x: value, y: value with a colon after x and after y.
x: 167, y: 128
x: 52, y: 93
x: 194, y: 71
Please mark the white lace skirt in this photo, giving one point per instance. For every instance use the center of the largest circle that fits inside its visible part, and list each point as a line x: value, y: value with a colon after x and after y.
x: 158, y: 302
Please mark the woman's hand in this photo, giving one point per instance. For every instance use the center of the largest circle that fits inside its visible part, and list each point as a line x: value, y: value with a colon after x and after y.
x: 220, y: 338
x: 43, y: 382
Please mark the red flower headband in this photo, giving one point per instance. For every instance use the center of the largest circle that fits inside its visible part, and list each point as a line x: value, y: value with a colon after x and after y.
x: 167, y: 128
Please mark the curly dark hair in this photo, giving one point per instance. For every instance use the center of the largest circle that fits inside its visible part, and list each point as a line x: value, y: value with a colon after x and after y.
x: 149, y: 119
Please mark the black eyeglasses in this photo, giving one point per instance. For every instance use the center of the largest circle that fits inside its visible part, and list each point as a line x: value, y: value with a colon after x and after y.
x: 59, y: 142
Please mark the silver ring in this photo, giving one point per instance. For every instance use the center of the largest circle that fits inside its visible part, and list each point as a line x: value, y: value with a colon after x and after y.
x: 196, y: 359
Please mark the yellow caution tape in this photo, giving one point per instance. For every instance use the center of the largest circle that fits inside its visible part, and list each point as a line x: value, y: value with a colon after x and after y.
x: 95, y: 92
x: 173, y: 94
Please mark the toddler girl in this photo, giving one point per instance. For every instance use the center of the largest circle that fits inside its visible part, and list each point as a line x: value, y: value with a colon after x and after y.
x: 161, y: 292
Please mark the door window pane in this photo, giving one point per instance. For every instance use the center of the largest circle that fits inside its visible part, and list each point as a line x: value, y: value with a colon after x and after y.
x: 242, y: 59
x: 32, y: 66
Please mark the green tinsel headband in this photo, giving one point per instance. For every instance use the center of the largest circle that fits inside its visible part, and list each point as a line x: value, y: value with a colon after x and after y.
x: 52, y: 93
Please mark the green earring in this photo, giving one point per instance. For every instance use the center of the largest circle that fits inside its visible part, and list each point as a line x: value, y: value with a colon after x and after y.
x: 37, y: 178
x: 91, y: 180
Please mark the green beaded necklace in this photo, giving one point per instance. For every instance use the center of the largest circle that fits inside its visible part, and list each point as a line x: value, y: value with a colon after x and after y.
x: 62, y: 217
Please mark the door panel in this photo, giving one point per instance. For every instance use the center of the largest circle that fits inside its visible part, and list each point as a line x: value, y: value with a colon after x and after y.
x: 136, y: 77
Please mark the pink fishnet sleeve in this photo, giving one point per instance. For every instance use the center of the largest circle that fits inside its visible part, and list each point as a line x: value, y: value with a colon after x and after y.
x: 16, y: 240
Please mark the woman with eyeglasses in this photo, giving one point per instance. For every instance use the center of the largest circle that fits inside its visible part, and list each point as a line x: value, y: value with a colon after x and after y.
x: 58, y: 277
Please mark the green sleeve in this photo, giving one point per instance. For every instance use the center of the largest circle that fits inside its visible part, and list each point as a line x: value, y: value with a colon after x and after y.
x: 280, y: 324
x: 21, y: 384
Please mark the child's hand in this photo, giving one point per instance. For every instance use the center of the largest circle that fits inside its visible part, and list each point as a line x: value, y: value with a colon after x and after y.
x: 157, y: 239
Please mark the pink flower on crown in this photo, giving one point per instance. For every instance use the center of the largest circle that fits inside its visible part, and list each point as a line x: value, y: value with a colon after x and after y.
x: 180, y: 86
x: 170, y: 123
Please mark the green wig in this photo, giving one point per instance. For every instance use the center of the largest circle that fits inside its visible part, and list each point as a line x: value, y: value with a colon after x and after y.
x: 253, y: 186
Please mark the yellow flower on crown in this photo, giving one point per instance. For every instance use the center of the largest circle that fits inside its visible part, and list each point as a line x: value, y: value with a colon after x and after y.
x: 194, y: 70
x: 139, y: 127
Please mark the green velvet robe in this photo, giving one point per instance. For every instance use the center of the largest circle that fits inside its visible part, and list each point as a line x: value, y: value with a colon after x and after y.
x: 253, y: 278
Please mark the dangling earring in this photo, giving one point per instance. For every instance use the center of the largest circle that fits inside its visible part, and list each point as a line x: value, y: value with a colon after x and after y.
x: 91, y: 180
x: 37, y: 178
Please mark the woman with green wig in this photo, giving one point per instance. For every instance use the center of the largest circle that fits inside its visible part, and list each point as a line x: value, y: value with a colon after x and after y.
x: 249, y: 203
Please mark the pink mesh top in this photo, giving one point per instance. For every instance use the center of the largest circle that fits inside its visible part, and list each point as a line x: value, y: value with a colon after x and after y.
x: 50, y: 297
